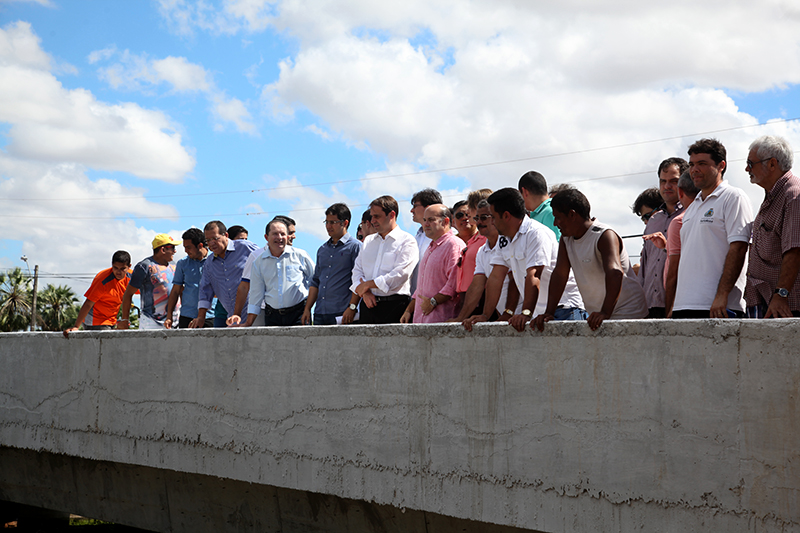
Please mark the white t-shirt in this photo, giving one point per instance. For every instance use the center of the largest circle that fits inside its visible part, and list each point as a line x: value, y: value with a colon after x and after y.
x: 709, y: 227
x: 535, y: 245
x: 484, y: 266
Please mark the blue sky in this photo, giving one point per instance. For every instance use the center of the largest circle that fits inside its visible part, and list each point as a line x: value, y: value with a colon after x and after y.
x: 119, y: 120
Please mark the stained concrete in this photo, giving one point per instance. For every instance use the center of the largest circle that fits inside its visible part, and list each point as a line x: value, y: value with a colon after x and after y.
x: 685, y: 425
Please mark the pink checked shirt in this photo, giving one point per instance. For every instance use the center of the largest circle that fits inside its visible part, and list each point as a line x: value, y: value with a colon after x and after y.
x: 438, y: 273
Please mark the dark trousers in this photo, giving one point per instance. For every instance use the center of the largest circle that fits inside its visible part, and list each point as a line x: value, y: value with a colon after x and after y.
x: 657, y: 312
x: 327, y: 319
x: 703, y: 313
x: 388, y: 310
x: 183, y: 322
x: 288, y: 316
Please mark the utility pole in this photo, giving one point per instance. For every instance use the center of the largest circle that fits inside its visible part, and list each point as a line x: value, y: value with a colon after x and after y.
x: 33, y: 304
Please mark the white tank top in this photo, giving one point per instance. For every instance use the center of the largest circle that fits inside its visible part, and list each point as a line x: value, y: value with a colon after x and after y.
x: 587, y: 266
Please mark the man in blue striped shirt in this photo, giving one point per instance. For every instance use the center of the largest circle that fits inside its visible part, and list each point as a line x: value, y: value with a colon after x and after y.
x: 330, y: 285
x: 222, y: 271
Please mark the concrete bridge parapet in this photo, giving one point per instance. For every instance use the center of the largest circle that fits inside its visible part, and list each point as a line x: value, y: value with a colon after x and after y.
x: 688, y: 425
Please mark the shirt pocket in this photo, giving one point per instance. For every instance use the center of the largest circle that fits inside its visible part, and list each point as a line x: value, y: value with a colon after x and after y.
x: 294, y: 274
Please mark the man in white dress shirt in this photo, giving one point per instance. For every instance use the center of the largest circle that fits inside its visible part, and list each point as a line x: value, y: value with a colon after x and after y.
x: 382, y: 273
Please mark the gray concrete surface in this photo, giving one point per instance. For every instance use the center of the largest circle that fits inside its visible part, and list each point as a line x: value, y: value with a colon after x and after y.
x: 643, y: 425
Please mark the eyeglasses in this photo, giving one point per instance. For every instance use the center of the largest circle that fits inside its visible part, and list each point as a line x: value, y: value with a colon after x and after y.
x: 481, y: 218
x: 461, y: 215
x: 645, y: 217
x: 332, y: 222
x: 168, y: 247
x: 751, y: 164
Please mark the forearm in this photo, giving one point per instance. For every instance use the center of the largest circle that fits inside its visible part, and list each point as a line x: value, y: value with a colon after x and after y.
x: 790, y: 267
x: 174, y: 294
x: 241, y: 297
x: 671, y: 283
x: 613, y: 280
x: 734, y: 261
x: 313, y: 292
x: 83, y: 313
x: 473, y: 296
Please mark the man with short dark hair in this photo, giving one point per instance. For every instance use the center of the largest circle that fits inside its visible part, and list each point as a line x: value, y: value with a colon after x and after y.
x: 152, y: 277
x: 280, y: 279
x: 434, y: 299
x: 507, y: 306
x: 528, y: 249
x: 714, y: 238
x: 240, y: 307
x: 238, y: 232
x: 595, y: 255
x: 330, y: 284
x: 382, y: 272
x: 104, y: 296
x: 652, y: 259
x: 533, y: 188
x: 291, y: 228
x: 222, y: 271
x: 772, y: 290
x: 186, y: 282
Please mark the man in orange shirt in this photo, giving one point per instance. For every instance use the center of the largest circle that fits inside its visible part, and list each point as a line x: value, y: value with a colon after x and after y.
x: 104, y: 296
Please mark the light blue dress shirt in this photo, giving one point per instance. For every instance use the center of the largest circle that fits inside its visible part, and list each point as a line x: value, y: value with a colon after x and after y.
x: 280, y: 282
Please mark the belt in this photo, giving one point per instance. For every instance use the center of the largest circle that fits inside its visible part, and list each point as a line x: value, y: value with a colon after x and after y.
x: 392, y: 298
x: 286, y: 310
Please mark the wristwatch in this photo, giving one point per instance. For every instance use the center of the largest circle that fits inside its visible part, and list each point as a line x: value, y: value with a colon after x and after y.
x: 509, y: 312
x: 783, y: 293
x: 353, y: 307
x: 527, y: 312
x: 434, y: 303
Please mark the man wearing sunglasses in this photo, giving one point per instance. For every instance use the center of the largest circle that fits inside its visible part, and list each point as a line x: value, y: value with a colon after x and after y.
x: 152, y: 277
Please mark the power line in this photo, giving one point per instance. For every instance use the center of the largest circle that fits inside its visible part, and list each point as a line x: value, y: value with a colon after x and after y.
x: 417, y: 172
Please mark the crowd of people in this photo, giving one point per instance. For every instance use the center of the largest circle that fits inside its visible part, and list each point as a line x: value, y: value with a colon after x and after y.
x: 525, y: 256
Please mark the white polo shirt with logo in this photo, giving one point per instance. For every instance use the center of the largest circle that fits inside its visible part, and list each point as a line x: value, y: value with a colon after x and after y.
x: 709, y: 227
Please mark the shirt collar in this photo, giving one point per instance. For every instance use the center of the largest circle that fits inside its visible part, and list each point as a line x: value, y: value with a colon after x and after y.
x: 716, y: 192
x: 344, y: 240
x: 542, y: 207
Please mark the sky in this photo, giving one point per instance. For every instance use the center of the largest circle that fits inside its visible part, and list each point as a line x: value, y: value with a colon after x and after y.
x: 121, y: 120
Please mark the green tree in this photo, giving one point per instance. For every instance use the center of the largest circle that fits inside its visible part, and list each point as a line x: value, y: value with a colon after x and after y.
x: 57, y: 307
x: 15, y: 301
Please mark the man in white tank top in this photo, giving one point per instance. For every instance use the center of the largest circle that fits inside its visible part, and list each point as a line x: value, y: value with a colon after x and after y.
x: 599, y: 262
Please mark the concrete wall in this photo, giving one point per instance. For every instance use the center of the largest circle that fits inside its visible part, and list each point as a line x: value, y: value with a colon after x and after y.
x: 643, y: 425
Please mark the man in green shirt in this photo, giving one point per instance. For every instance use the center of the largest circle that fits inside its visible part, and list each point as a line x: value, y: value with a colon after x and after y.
x: 533, y: 188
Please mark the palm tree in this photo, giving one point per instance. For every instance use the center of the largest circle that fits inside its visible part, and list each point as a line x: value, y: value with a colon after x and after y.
x: 57, y: 307
x: 15, y: 301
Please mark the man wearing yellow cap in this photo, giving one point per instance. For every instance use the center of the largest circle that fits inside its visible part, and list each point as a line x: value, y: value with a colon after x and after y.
x: 152, y: 277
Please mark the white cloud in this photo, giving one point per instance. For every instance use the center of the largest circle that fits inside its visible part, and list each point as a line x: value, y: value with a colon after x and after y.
x: 75, y: 236
x: 457, y: 85
x: 233, y: 110
x: 53, y: 124
x: 138, y: 72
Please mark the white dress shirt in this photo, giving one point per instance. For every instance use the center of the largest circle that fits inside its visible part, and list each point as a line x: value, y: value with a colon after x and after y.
x: 388, y: 262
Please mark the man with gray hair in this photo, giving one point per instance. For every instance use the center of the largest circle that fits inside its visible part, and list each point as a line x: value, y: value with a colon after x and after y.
x: 772, y: 290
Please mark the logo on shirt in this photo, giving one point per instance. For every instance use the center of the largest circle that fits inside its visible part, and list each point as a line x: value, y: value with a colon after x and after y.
x: 708, y: 217
x: 709, y: 213
x: 503, y: 241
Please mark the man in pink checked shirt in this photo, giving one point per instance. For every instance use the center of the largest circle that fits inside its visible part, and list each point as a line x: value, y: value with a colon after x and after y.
x: 434, y: 299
